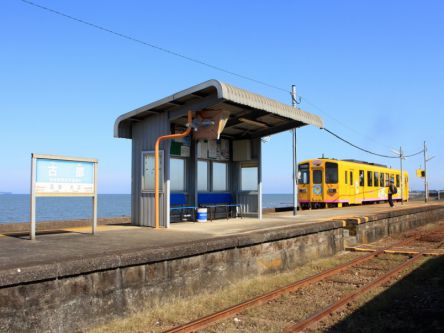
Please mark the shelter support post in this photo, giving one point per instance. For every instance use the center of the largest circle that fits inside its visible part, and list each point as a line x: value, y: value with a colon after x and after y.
x: 32, y: 208
x: 295, y: 163
x: 94, y: 198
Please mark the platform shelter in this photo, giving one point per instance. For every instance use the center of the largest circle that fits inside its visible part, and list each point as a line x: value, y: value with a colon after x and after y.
x: 217, y: 164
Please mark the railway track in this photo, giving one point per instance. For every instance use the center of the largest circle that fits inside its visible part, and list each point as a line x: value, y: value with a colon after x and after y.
x: 342, y: 284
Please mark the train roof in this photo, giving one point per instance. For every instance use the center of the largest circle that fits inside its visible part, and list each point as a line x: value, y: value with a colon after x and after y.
x: 364, y: 162
x: 348, y: 160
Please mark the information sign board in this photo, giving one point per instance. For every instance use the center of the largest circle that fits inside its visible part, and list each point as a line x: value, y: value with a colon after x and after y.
x: 62, y: 176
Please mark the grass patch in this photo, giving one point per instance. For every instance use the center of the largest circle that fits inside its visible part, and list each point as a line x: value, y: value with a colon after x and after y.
x: 181, y: 310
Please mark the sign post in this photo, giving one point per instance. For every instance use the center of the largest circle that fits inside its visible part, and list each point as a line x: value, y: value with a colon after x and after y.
x: 62, y: 176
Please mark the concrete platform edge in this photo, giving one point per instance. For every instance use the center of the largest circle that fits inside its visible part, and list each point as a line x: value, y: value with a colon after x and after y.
x: 76, y: 266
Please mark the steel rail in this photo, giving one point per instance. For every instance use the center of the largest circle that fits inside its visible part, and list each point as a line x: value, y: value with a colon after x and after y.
x: 233, y: 310
x: 329, y: 309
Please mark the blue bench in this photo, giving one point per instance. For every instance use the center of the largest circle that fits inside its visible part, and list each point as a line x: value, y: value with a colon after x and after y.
x: 214, y: 200
x: 178, y: 203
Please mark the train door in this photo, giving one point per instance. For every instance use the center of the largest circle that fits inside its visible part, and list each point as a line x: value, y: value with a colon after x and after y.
x: 351, y: 191
x: 331, y: 189
x: 406, y: 188
x: 317, y: 187
x: 361, y: 186
x: 304, y: 196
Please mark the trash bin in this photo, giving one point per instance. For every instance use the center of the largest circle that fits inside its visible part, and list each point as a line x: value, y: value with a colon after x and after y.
x: 202, y: 214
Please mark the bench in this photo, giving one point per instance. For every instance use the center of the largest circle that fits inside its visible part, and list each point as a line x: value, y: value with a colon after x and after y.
x: 213, y: 201
x: 179, y: 208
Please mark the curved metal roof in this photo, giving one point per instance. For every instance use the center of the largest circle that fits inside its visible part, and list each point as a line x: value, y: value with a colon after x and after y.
x: 220, y: 94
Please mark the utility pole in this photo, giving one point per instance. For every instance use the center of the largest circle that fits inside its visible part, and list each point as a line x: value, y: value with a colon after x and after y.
x: 426, y: 182
x: 426, y: 190
x: 295, y: 164
x: 401, y: 157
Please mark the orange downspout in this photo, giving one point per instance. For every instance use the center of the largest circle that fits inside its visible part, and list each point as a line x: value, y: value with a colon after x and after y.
x: 156, y: 164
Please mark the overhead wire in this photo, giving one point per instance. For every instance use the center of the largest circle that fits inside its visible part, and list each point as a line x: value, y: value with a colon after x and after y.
x: 304, y: 99
x: 360, y: 148
x: 203, y: 63
x: 159, y: 48
x: 411, y: 155
x: 368, y: 151
x: 348, y: 142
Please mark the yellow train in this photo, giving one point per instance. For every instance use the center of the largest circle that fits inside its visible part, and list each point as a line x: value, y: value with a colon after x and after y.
x: 325, y: 182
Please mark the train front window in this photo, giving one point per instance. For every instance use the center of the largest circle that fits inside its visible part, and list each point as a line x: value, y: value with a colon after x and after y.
x: 317, y: 176
x: 331, y: 173
x: 304, y: 175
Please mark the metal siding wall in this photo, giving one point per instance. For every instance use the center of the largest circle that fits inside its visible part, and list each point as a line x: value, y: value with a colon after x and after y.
x: 248, y: 202
x: 145, y: 134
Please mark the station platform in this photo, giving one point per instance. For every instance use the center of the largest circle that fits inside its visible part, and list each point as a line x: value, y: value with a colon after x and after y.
x: 71, y: 251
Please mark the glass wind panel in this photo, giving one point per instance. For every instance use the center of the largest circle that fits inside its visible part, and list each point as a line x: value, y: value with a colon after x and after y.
x: 177, y: 175
x: 249, y: 178
x: 202, y: 175
x: 219, y: 176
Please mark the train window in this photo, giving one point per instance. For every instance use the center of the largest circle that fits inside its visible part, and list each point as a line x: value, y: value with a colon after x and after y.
x: 361, y: 177
x: 397, y: 180
x: 351, y: 177
x: 392, y: 178
x: 331, y: 173
x: 369, y: 178
x: 387, y: 179
x: 381, y: 179
x: 317, y: 176
x: 304, y: 175
x: 376, y: 179
x: 346, y: 177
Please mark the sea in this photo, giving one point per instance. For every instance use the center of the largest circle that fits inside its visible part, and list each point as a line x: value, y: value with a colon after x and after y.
x: 14, y: 208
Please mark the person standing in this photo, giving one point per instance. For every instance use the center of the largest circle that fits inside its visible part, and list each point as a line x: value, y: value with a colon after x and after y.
x: 391, y: 190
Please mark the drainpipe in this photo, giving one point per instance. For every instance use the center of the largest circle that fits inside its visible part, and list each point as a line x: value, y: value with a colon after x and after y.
x: 156, y: 164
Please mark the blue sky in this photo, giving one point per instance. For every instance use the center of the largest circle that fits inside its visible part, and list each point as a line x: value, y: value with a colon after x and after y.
x: 374, y: 69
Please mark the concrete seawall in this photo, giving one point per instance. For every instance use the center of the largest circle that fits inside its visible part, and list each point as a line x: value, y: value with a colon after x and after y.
x: 70, y: 295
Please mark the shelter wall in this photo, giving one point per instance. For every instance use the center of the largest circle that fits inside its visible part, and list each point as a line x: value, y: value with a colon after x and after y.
x: 145, y: 134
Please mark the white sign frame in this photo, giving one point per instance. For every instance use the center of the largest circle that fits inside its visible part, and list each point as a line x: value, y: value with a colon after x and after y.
x: 35, y: 194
